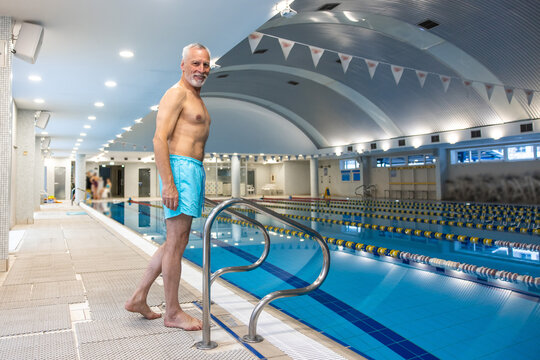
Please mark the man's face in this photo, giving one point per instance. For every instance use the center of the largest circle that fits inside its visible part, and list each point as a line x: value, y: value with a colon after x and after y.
x: 196, y: 67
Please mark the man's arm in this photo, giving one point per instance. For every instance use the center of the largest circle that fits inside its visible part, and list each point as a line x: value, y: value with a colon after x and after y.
x: 170, y: 107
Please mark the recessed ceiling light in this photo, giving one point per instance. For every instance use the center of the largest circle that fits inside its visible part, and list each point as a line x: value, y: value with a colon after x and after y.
x: 91, y: 117
x: 154, y: 107
x: 79, y: 140
x: 82, y: 134
x: 138, y: 121
x: 119, y: 136
x: 99, y: 104
x: 126, y: 54
x: 110, y: 83
x: 128, y: 128
x: 44, y: 133
x: 101, y: 149
x: 34, y: 78
x: 87, y: 127
x: 110, y: 141
x: 39, y: 101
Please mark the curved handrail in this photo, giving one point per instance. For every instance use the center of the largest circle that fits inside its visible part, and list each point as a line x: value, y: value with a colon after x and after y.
x: 252, y: 336
x: 243, y: 268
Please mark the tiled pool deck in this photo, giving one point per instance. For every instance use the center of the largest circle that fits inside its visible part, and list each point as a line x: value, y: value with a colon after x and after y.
x: 69, y: 276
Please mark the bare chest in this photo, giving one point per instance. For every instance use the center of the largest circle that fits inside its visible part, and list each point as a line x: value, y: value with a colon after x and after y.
x: 195, y: 113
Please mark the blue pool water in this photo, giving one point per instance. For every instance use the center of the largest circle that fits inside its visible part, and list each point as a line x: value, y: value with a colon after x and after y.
x: 381, y: 309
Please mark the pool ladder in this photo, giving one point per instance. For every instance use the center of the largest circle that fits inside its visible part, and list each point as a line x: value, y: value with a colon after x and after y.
x: 208, y: 278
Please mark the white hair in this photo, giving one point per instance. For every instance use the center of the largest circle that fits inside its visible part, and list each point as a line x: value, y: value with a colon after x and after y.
x: 194, y: 45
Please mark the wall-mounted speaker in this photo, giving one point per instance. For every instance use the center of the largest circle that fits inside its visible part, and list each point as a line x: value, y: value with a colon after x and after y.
x: 29, y: 42
x: 42, y: 119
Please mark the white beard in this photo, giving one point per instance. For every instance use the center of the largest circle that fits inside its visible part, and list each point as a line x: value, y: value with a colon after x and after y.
x: 196, y: 82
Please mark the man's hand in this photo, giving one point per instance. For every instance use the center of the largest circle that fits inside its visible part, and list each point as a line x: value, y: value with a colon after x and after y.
x: 170, y: 196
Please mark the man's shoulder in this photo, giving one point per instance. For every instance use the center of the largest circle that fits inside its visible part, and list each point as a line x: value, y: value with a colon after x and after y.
x: 175, y: 93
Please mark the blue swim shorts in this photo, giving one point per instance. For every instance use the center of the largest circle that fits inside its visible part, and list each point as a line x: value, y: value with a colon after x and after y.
x: 189, y: 178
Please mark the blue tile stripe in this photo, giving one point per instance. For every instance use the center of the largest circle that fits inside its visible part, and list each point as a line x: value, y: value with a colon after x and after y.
x: 233, y: 334
x: 378, y: 331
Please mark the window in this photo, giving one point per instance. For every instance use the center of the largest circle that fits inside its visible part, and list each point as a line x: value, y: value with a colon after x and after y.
x: 401, y: 142
x: 430, y: 159
x: 348, y: 164
x: 383, y: 162
x: 521, y: 152
x: 398, y: 161
x: 416, y: 160
x: 491, y: 154
x: 464, y: 156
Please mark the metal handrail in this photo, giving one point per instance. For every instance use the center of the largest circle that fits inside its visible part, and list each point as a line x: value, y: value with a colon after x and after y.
x: 73, y: 193
x: 243, y: 268
x: 252, y: 336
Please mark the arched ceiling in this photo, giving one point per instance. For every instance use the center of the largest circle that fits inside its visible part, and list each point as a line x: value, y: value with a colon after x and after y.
x: 492, y: 42
x: 486, y: 41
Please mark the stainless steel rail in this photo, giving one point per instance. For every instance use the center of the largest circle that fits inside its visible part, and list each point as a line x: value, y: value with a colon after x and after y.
x: 252, y: 336
x: 257, y: 263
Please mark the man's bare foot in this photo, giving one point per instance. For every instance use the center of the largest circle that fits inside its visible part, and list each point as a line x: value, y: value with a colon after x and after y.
x: 141, y: 308
x: 183, y: 321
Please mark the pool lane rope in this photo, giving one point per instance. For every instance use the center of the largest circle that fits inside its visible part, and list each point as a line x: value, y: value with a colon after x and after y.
x: 479, y: 271
x: 479, y: 226
x: 533, y: 213
x: 421, y: 233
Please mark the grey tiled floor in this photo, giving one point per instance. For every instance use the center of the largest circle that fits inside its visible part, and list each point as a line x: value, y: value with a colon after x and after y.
x: 63, y: 297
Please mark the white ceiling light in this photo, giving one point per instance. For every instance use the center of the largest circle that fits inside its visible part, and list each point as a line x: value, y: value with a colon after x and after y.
x: 349, y: 15
x: 44, y: 133
x: 110, y: 141
x: 128, y: 128
x: 154, y: 107
x: 39, y: 101
x: 138, y: 121
x: 126, y: 54
x: 82, y: 134
x: 99, y: 104
x: 284, y: 8
x: 87, y: 126
x: 34, y: 78
x: 91, y: 117
x: 119, y: 136
x: 110, y: 83
x: 79, y: 140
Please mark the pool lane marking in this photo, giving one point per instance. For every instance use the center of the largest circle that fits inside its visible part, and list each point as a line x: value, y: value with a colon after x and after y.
x: 378, y: 331
x: 233, y: 334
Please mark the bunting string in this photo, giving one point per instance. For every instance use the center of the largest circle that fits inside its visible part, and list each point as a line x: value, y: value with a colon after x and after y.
x: 397, y: 70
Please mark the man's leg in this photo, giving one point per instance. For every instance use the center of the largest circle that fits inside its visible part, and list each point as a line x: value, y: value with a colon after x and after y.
x: 178, y: 229
x: 137, y: 302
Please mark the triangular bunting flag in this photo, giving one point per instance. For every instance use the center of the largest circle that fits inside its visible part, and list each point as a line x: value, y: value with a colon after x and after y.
x: 286, y: 46
x: 254, y: 40
x: 397, y: 71
x: 445, y: 82
x: 489, y: 90
x: 509, y: 91
x: 345, y: 60
x: 316, y: 54
x: 421, y: 75
x: 529, y: 94
x: 372, y: 66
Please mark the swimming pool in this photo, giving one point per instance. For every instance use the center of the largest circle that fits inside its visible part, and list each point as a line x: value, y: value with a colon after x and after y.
x: 381, y: 309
